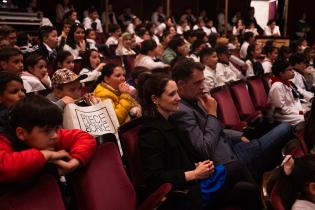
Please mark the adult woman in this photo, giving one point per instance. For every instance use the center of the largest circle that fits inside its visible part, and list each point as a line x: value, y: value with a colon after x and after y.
x: 112, y: 85
x: 76, y: 42
x: 168, y: 156
x: 272, y: 29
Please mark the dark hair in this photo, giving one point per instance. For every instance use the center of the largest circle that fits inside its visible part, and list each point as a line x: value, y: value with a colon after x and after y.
x: 70, y: 38
x: 137, y: 71
x: 268, y: 49
x: 67, y: 15
x: 7, y: 52
x: 21, y: 38
x: 205, y: 52
x: 147, y: 45
x: 5, y: 78
x: 88, y: 31
x: 6, y: 30
x: 92, y: 9
x: 309, y: 131
x: 61, y: 56
x: 85, y: 62
x: 151, y: 84
x: 247, y: 36
x: 279, y: 66
x: 176, y: 42
x: 189, y: 33
x: 284, y: 50
x: 293, y: 186
x: 35, y: 105
x: 113, y: 27
x: 44, y: 31
x: 200, y: 34
x: 183, y: 69
x: 32, y: 60
x: 270, y: 22
x: 250, y: 50
x: 297, y: 58
x: 196, y: 44
x: 107, y: 70
x: 222, y: 49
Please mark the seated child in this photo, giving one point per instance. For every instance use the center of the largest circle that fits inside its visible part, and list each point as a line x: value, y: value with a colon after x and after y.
x: 64, y: 59
x: 11, y: 91
x: 36, y: 77
x: 91, y: 65
x: 30, y: 140
x: 66, y: 87
x: 284, y: 95
x: 11, y: 60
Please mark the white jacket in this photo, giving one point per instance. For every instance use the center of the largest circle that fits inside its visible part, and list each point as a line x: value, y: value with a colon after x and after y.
x: 286, y: 107
x: 32, y: 83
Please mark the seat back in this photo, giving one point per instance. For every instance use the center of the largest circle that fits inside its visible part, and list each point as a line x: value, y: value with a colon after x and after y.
x: 258, y: 93
x: 276, y: 200
x: 227, y: 110
x: 103, y: 183
x: 44, y: 193
x: 128, y: 134
x: 242, y: 99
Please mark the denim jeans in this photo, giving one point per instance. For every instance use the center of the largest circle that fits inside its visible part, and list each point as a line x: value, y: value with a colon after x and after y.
x: 264, y: 153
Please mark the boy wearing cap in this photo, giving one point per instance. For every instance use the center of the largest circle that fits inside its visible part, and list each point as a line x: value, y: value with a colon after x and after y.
x: 66, y: 87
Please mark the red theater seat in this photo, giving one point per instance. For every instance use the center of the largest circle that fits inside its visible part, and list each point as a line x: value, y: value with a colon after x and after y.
x: 227, y: 110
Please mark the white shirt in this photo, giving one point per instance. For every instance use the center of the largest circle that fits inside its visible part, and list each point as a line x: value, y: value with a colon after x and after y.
x: 287, y: 108
x: 148, y: 62
x: 155, y: 18
x: 121, y: 50
x: 224, y: 73
x: 92, y: 75
x: 32, y: 83
x: 298, y: 80
x: 111, y: 41
x: 210, y: 81
x: 267, y: 65
x: 243, y: 51
x: 87, y: 22
x: 181, y: 30
x: 275, y: 32
x: 303, y: 205
x: 250, y: 70
x: 204, y: 28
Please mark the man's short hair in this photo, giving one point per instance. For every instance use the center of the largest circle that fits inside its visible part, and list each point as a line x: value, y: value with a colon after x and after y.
x: 183, y: 69
x: 44, y: 31
x: 6, y: 30
x: 206, y: 52
x: 7, y: 52
x: 297, y: 58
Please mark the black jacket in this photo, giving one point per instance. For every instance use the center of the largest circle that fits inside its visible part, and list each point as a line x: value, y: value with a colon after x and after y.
x: 166, y: 155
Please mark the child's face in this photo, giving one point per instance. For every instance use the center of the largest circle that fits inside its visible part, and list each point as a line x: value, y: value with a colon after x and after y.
x: 117, y: 33
x: 274, y: 55
x: 42, y: 138
x: 52, y: 39
x: 39, y: 69
x: 127, y: 41
x: 94, y: 59
x: 257, y: 52
x: 13, y: 65
x: 12, y: 94
x: 287, y: 74
x: 211, y: 60
x: 66, y: 28
x: 72, y: 89
x: 68, y: 63
x: 12, y: 38
x: 79, y: 35
x: 92, y: 35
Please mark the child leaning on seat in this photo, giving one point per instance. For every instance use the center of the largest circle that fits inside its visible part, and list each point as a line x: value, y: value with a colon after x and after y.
x: 33, y: 137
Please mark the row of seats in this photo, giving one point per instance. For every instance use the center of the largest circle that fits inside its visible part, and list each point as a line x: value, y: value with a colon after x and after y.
x: 101, y: 184
x: 241, y: 103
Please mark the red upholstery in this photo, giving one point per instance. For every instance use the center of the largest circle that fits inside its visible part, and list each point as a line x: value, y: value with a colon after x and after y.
x: 258, y: 93
x: 227, y: 110
x: 43, y: 194
x: 128, y: 134
x: 115, y: 60
x: 302, y: 142
x: 243, y: 102
x: 103, y: 183
x: 276, y: 201
x: 266, y: 80
x: 77, y: 66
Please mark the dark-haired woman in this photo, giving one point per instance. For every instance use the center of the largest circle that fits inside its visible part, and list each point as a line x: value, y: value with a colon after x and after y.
x: 147, y: 54
x: 76, y: 42
x: 168, y: 156
x: 111, y: 84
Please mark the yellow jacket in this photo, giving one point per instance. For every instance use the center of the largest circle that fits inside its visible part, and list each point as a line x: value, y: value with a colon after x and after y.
x: 122, y: 102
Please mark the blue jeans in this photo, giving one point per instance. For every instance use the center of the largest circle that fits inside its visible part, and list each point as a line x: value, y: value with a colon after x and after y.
x: 264, y: 153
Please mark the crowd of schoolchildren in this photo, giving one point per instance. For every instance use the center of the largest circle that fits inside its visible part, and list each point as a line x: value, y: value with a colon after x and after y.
x: 176, y: 65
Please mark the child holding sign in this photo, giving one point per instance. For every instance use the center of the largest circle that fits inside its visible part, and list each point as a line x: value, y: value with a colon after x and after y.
x: 29, y: 141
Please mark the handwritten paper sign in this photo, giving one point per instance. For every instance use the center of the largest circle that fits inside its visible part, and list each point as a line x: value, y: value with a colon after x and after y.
x: 97, y: 120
